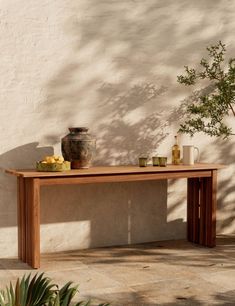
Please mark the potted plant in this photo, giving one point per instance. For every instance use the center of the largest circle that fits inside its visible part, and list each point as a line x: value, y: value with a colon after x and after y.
x: 209, y: 111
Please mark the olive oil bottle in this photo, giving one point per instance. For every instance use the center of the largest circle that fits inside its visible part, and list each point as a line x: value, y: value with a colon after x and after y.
x: 176, y: 152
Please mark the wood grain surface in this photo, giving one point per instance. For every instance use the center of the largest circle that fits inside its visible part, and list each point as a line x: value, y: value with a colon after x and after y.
x: 114, y: 170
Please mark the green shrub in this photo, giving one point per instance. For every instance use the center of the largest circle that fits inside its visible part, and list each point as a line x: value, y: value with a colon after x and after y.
x: 208, y: 113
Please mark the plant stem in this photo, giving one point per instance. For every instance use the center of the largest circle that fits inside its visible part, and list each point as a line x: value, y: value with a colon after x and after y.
x: 231, y: 109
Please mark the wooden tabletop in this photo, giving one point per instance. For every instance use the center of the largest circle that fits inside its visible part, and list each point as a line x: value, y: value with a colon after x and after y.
x: 109, y: 170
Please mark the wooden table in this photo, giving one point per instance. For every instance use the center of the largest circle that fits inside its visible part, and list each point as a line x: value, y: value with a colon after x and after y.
x: 201, y: 198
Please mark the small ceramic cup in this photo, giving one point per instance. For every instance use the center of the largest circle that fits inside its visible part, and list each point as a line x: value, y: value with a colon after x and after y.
x: 155, y: 160
x: 143, y: 161
x: 162, y: 161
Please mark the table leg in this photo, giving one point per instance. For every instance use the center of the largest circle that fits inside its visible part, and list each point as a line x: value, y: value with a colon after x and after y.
x: 208, y: 210
x: 21, y: 216
x: 32, y: 234
x: 193, y: 210
x: 201, y: 210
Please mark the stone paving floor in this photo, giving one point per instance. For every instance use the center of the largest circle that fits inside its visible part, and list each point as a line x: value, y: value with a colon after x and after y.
x: 159, y: 273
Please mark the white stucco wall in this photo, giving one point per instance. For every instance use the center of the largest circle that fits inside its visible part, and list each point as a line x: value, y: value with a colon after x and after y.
x: 110, y: 66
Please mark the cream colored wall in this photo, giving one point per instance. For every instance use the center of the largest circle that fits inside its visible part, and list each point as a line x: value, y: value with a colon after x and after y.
x: 111, y: 66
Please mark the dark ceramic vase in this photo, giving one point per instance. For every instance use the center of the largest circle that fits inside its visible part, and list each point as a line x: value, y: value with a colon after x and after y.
x: 78, y: 147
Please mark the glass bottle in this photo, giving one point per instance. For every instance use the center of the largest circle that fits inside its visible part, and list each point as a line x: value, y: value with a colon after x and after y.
x: 176, y: 152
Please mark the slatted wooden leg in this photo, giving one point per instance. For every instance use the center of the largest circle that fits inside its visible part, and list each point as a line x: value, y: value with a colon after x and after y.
x: 21, y: 216
x: 201, y: 210
x: 208, y: 210
x: 193, y: 210
x: 33, y: 222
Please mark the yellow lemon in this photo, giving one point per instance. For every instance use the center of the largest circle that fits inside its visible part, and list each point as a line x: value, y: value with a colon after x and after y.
x: 49, y: 159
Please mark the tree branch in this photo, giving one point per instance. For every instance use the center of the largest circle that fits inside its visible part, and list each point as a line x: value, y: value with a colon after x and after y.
x: 230, y: 105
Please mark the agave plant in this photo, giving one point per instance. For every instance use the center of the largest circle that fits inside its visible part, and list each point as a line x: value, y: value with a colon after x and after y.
x: 39, y: 291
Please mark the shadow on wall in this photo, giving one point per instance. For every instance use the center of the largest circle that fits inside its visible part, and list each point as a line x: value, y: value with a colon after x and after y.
x: 120, y: 82
x: 110, y: 83
x: 114, y: 84
x: 23, y: 157
x: 106, y: 214
x: 226, y: 188
x: 128, y: 132
x: 125, y: 124
x: 114, y: 214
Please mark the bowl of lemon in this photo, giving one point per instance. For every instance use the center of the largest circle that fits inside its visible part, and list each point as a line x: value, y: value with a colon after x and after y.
x: 53, y: 163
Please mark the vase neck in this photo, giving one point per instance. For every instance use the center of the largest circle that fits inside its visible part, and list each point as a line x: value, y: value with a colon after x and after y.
x: 78, y: 130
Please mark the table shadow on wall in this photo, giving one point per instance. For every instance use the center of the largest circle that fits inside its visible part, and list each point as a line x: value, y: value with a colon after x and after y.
x: 106, y: 214
x: 149, y: 46
x: 22, y: 157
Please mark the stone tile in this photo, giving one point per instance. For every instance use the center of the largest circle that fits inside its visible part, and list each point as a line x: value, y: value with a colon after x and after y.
x: 61, y: 261
x: 226, y: 246
x: 160, y: 273
x: 116, y: 296
x: 192, y: 291
x: 5, y: 281
x: 5, y: 278
x: 13, y: 264
x: 139, y: 254
x: 225, y: 279
x: 144, y: 273
x: 11, y: 269
x: 199, y: 264
x: 86, y: 278
x: 226, y: 298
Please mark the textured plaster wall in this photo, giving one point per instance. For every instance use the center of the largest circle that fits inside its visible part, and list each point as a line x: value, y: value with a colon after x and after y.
x: 111, y: 66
